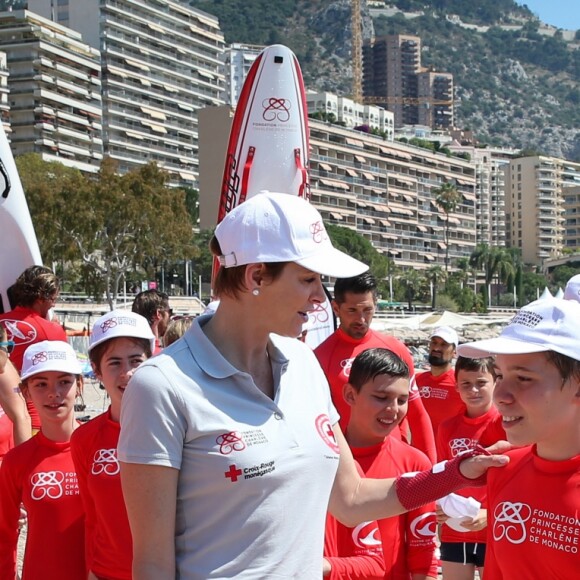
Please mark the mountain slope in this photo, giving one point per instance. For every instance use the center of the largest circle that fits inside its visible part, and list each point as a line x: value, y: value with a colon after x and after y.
x: 516, y: 86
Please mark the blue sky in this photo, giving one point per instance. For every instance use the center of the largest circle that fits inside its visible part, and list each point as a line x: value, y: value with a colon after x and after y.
x: 561, y: 13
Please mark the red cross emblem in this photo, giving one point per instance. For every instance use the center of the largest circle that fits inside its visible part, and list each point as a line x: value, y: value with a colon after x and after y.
x: 325, y: 431
x: 233, y: 473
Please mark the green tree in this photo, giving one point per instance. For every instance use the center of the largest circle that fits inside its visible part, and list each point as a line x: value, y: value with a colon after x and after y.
x: 48, y: 188
x: 414, y: 284
x: 360, y: 248
x: 447, y: 198
x: 435, y: 275
x: 492, y: 261
x: 112, y: 224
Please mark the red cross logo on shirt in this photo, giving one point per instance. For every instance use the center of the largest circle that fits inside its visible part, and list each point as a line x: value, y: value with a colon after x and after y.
x: 233, y: 473
x: 326, y: 432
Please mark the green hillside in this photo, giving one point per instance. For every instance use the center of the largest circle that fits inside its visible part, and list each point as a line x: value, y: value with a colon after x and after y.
x: 515, y: 86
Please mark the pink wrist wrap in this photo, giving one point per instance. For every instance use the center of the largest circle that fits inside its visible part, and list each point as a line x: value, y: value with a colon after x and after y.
x: 416, y: 489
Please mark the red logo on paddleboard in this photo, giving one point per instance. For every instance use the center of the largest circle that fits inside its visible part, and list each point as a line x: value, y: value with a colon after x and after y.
x: 325, y: 431
x: 275, y: 108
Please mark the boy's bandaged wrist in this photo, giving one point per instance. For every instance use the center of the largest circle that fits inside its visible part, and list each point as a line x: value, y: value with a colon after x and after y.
x: 416, y: 490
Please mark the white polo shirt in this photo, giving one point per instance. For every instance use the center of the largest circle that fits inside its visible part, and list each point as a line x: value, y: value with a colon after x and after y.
x: 255, y: 473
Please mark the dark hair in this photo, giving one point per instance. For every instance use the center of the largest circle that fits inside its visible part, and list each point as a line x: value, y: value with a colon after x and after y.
x: 567, y: 366
x: 97, y: 352
x: 484, y: 365
x: 373, y: 362
x: 230, y: 281
x: 360, y: 284
x: 35, y: 283
x: 148, y: 302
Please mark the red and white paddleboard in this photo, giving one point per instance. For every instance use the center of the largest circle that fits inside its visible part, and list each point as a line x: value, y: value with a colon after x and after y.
x: 269, y: 146
x: 19, y: 248
x: 269, y: 140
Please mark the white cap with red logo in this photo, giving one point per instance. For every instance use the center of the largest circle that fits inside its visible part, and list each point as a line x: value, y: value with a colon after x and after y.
x: 279, y: 227
x: 540, y: 326
x: 50, y: 355
x: 121, y: 324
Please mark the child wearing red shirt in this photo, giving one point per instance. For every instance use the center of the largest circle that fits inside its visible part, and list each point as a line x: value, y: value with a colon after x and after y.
x: 463, y: 545
x: 533, y: 504
x: 378, y: 394
x: 40, y: 473
x: 120, y: 341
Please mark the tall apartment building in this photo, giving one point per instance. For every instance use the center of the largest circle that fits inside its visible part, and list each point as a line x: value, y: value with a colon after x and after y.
x: 4, y: 106
x: 490, y: 206
x: 237, y: 60
x: 435, y: 99
x: 536, y: 189
x: 381, y: 189
x: 394, y: 79
x: 161, y: 63
x: 572, y: 218
x: 345, y: 110
x: 54, y: 91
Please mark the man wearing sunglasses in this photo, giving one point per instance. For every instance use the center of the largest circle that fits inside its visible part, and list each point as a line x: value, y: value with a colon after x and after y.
x: 154, y: 306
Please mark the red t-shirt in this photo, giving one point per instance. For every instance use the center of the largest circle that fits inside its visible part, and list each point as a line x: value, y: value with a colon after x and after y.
x: 25, y: 326
x: 6, y: 434
x: 354, y: 553
x: 40, y: 474
x: 461, y: 433
x: 109, y: 547
x: 533, y: 518
x: 409, y: 539
x: 335, y: 356
x: 440, y: 397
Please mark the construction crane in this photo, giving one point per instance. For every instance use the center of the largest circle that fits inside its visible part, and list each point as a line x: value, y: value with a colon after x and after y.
x: 356, y: 25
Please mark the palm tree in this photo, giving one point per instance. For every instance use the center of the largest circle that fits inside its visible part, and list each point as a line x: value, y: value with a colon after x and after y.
x: 435, y: 275
x: 447, y: 198
x: 414, y: 284
x: 493, y: 261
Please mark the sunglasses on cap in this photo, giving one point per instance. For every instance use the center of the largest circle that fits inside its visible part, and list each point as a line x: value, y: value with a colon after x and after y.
x: 7, y: 346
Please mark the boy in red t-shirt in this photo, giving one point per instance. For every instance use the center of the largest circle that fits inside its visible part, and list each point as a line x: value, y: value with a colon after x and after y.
x: 463, y: 541
x: 533, y: 504
x: 378, y: 394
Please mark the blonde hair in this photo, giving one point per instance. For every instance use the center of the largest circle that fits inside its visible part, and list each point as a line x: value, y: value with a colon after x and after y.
x: 176, y: 329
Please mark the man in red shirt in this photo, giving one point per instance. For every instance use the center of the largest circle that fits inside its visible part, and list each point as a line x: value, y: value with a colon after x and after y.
x: 354, y: 304
x: 35, y: 293
x: 437, y: 386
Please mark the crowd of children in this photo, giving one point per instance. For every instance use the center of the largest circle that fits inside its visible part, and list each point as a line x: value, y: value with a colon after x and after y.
x: 523, y: 386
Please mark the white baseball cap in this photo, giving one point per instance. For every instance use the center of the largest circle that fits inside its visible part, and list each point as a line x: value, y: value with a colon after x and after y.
x: 447, y: 334
x: 121, y: 323
x: 278, y: 227
x: 572, y: 291
x: 50, y: 355
x: 540, y: 326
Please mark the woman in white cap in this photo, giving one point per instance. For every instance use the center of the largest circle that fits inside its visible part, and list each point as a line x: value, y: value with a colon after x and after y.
x: 534, y: 504
x: 230, y: 449
x: 40, y: 473
x: 120, y: 341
